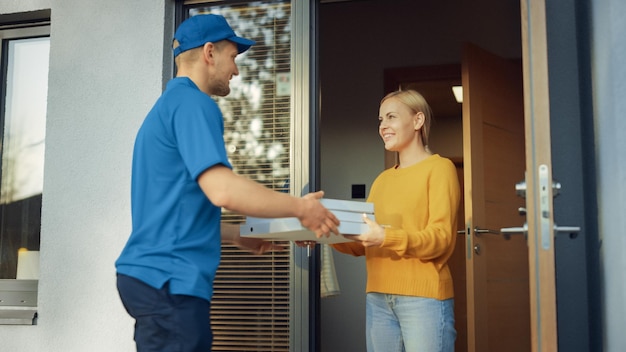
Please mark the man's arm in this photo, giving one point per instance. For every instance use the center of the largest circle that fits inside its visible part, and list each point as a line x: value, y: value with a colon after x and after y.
x: 241, y: 195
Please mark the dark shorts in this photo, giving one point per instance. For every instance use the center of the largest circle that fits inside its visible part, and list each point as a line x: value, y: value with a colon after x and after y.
x: 165, y: 322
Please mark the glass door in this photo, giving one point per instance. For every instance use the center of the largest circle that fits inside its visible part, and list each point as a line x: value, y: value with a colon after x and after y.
x: 265, y: 303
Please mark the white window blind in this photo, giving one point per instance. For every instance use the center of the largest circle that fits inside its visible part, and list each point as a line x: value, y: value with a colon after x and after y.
x: 250, y: 306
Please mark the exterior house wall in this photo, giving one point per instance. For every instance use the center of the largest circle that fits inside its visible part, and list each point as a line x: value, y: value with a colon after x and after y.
x: 15, y: 6
x: 608, y: 49
x: 108, y: 60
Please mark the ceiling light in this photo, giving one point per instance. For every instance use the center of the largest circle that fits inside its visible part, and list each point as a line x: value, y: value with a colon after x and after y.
x: 458, y: 93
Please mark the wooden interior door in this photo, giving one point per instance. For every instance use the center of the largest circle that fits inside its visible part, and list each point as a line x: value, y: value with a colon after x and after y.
x: 497, y: 272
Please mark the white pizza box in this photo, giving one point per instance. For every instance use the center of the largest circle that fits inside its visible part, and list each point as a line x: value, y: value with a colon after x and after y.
x: 348, y: 205
x: 290, y: 229
x: 350, y: 216
x: 348, y: 212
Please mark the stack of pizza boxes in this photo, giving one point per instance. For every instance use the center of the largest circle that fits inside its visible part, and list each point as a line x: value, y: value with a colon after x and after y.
x: 349, y: 213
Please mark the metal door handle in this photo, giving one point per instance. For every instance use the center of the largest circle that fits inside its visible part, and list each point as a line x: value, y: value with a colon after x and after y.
x: 508, y: 231
x: 571, y: 230
x: 505, y: 232
x: 514, y: 230
x: 478, y: 231
x: 568, y: 229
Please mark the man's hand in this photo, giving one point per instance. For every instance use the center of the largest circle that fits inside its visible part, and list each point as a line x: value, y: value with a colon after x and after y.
x: 257, y: 245
x: 230, y: 234
x: 316, y: 217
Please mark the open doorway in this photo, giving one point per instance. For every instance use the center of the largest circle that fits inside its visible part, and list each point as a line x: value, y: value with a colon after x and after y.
x: 359, y: 40
x: 438, y: 84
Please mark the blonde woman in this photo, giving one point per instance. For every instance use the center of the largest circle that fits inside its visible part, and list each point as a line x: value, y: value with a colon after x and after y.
x: 409, y: 304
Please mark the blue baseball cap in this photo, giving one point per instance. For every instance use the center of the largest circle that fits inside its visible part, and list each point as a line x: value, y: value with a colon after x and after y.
x: 201, y: 29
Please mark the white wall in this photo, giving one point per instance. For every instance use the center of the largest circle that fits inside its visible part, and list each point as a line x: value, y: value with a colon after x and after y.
x: 106, y: 70
x: 609, y: 76
x: 13, y: 6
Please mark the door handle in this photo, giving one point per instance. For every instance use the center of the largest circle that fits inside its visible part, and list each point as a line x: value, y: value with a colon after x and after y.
x: 505, y: 232
x: 478, y: 231
x: 508, y: 231
x: 571, y: 230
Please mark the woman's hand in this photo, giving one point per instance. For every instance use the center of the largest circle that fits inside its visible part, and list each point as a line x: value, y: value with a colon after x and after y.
x: 374, y: 237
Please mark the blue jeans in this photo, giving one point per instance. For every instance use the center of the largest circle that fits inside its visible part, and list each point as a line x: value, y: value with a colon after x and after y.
x: 165, y: 322
x: 397, y: 323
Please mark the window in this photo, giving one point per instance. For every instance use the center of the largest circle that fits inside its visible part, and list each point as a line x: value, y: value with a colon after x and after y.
x: 251, y: 306
x: 24, y: 54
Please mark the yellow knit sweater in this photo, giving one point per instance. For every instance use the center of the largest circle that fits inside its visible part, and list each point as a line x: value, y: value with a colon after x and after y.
x: 419, y: 205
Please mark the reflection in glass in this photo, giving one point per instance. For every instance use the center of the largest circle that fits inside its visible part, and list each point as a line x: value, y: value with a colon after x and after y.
x: 23, y: 144
x: 251, y: 306
x: 257, y: 112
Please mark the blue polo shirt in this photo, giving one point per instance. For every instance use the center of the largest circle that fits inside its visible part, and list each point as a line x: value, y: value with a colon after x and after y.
x: 175, y: 228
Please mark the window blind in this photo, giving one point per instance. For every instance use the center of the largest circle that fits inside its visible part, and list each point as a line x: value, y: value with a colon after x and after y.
x: 251, y: 302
